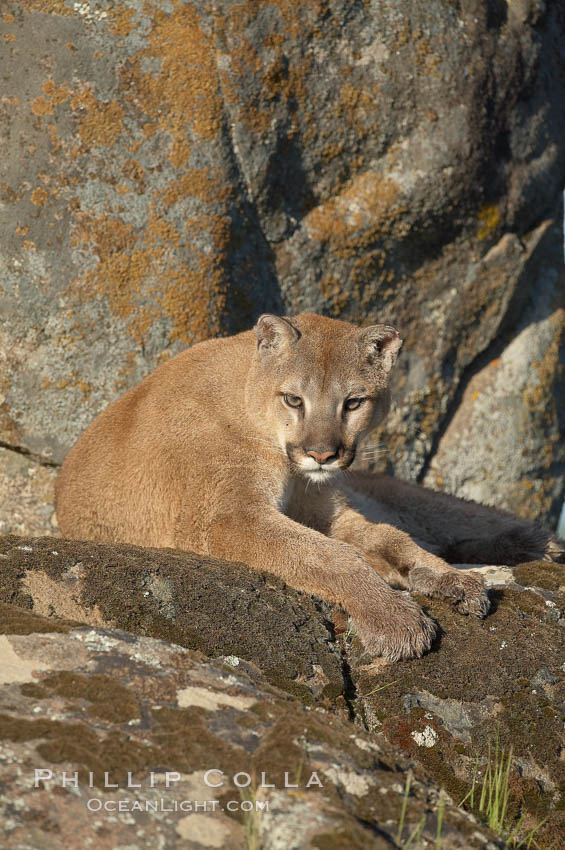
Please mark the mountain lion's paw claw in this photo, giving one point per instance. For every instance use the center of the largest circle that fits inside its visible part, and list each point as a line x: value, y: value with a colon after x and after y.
x: 465, y: 590
x: 397, y: 632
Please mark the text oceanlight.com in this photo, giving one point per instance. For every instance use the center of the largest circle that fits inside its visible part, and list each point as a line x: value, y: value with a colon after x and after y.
x: 96, y: 804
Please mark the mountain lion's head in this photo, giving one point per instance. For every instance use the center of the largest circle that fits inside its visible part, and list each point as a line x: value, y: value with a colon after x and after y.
x: 317, y: 386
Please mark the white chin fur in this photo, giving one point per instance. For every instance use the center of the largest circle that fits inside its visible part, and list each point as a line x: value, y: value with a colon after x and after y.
x: 323, y: 473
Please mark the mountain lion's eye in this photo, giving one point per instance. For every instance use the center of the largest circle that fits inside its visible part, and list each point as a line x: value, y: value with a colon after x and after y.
x: 292, y: 400
x: 353, y: 403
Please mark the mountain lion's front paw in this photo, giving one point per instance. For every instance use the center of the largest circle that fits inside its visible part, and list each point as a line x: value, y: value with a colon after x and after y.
x: 465, y: 590
x: 398, y: 630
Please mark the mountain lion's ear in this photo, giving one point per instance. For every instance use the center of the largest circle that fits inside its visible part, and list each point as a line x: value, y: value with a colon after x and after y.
x: 380, y: 344
x: 274, y: 334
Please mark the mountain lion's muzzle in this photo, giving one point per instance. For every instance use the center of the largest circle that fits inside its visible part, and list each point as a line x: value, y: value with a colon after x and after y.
x: 329, y: 458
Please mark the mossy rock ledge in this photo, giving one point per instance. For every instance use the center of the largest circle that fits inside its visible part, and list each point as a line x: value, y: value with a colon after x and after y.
x: 94, y: 716
x: 118, y: 659
x: 497, y: 682
x: 205, y: 604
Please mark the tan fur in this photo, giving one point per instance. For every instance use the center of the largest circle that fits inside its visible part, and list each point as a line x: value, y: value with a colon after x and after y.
x: 208, y: 454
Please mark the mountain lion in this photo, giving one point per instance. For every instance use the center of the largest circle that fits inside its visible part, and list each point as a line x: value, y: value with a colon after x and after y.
x: 237, y: 448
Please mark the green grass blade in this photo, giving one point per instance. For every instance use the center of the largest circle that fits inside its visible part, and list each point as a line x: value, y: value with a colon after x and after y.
x: 416, y: 833
x: 440, y: 811
x: 506, y: 789
x: 486, y: 781
x: 470, y: 795
x: 403, y: 809
x: 530, y: 836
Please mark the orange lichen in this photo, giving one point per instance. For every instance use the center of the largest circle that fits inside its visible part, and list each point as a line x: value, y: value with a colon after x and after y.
x: 134, y: 170
x: 144, y: 278
x: 331, y: 150
x: 121, y: 21
x: 367, y: 208
x: 336, y: 296
x: 56, y: 94
x: 39, y: 196
x: 489, y: 219
x: 128, y: 271
x: 53, y: 7
x: 52, y: 95
x: 356, y: 105
x: 180, y: 153
x: 42, y: 106
x: 102, y: 124
x: 54, y: 139
x: 267, y: 65
x: 171, y: 266
x: 195, y: 183
x: 536, y: 394
x: 106, y: 235
x: 187, y: 81
x: 85, y: 387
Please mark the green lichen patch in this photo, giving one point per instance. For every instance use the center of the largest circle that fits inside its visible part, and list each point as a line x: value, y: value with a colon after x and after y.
x: 109, y: 699
x: 185, y: 740
x: 354, y: 838
x: 544, y: 574
x: 58, y: 742
x: 296, y: 689
x: 18, y: 621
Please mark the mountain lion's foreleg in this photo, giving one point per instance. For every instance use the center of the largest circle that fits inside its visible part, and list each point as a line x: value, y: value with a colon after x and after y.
x: 389, y: 622
x: 420, y: 570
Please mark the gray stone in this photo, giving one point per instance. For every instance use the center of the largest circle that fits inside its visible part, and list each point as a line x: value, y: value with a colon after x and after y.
x: 512, y: 403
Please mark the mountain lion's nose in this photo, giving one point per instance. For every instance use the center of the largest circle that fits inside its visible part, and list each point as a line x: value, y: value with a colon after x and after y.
x: 322, y: 457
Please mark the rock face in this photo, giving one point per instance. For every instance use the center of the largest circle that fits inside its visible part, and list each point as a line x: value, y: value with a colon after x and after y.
x: 489, y: 450
x: 27, y: 500
x: 170, y: 171
x: 95, y: 699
